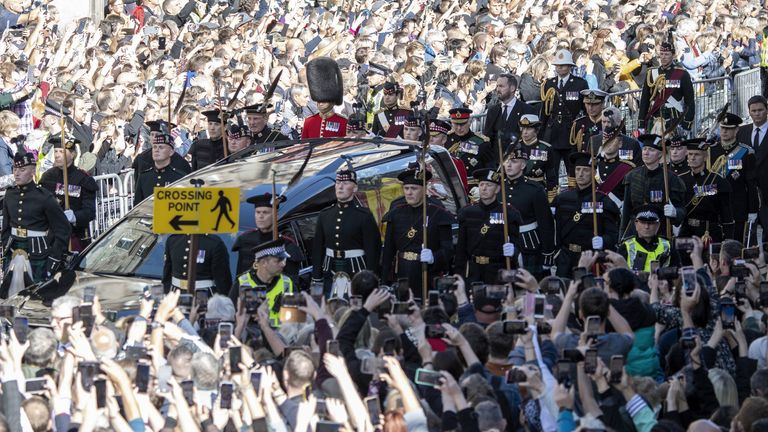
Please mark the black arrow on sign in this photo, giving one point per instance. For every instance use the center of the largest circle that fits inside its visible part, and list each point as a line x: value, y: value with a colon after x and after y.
x: 176, y: 222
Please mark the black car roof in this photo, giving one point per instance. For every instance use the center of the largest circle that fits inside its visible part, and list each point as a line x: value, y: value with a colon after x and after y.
x: 255, y: 170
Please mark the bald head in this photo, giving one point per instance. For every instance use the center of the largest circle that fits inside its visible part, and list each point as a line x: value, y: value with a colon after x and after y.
x: 703, y: 426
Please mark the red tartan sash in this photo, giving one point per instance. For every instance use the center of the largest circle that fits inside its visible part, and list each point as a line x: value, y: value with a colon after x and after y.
x: 614, y: 179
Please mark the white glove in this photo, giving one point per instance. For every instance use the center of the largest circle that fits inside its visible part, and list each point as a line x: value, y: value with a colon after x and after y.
x: 752, y: 217
x: 509, y: 249
x: 597, y: 243
x: 670, y: 211
x: 70, y: 216
x: 426, y: 256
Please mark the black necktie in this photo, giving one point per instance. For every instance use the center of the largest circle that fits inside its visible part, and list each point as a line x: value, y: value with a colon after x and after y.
x: 561, y: 84
x: 756, y: 141
x: 504, y: 112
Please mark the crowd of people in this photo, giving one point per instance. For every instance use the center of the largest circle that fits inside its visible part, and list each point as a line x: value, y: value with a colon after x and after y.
x: 635, y: 298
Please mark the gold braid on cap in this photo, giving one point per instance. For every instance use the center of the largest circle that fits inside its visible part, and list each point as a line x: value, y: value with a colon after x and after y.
x: 548, y: 99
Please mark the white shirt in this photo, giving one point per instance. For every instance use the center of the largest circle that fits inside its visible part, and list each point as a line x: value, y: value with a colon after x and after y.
x: 508, y: 106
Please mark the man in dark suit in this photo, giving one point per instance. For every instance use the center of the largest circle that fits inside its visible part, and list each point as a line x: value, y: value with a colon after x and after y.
x: 562, y: 104
x: 756, y: 135
x: 502, y: 119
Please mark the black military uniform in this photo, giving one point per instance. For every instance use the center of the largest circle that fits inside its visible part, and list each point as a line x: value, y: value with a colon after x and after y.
x: 563, y: 103
x: 708, y: 201
x: 346, y: 238
x: 34, y: 223
x: 537, y: 231
x: 266, y: 135
x: 144, y: 160
x: 610, y: 173
x: 154, y: 177
x: 680, y: 167
x: 82, y: 195
x: 668, y: 94
x: 629, y: 149
x: 584, y: 127
x: 643, y: 186
x: 736, y: 162
x: 389, y: 121
x: 206, y: 151
x: 574, y: 224
x: 479, y: 251
x: 248, y: 240
x: 541, y: 166
x: 212, y: 263
x: 474, y: 150
x: 403, y: 239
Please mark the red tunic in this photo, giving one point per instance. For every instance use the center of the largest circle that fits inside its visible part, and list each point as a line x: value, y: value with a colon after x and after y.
x: 318, y: 127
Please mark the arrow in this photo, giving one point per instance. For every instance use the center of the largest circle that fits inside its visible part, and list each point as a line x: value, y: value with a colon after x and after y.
x: 176, y: 222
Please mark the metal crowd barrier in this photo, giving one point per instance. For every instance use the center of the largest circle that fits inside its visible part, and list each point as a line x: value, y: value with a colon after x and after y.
x: 710, y: 95
x: 113, y: 200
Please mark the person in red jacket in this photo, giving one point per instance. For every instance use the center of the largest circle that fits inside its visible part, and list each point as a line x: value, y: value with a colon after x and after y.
x: 325, y: 124
x: 326, y: 89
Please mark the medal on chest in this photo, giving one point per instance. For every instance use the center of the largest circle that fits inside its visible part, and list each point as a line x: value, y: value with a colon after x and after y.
x: 496, y: 218
x: 468, y: 147
x: 484, y: 229
x: 538, y: 155
x: 73, y: 190
x: 656, y: 196
x: 201, y: 256
x: 626, y: 154
x: 411, y: 233
x: 332, y: 126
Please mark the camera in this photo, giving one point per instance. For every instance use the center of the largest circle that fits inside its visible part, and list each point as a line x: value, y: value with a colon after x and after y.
x: 739, y: 269
x: 445, y: 283
x: 684, y: 244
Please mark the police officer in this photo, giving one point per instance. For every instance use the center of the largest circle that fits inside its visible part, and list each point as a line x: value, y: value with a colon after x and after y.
x: 261, y: 132
x: 629, y: 149
x: 389, y: 121
x: 266, y: 275
x: 708, y: 197
x: 573, y: 218
x: 403, y: 253
x: 33, y: 222
x: 474, y: 150
x: 647, y: 246
x: 645, y: 185
x: 537, y: 231
x: 562, y: 104
x: 590, y: 124
x: 81, y: 191
x: 162, y: 173
x: 541, y: 166
x: 482, y: 249
x: 144, y: 160
x: 736, y: 162
x: 346, y: 235
x: 667, y: 94
x: 207, y: 151
x: 212, y: 263
x: 678, y: 155
x: 610, y: 168
x: 246, y: 241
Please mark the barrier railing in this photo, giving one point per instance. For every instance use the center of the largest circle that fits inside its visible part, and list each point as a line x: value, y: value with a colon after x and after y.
x: 746, y: 85
x: 114, y: 197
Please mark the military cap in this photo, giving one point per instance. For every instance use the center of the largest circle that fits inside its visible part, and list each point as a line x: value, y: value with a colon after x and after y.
x: 414, y: 177
x: 391, y: 88
x: 650, y: 140
x: 648, y: 213
x: 731, y: 121
x: 355, y: 123
x: 346, y: 175
x: 460, y: 115
x: 413, y: 120
x: 161, y: 126
x: 213, y: 116
x: 161, y: 138
x: 594, y: 96
x: 515, y: 151
x: 580, y: 159
x: 264, y: 200
x: 563, y: 58
x: 275, y: 248
x: 258, y: 108
x: 22, y: 159
x: 377, y: 69
x: 675, y: 140
x: 667, y: 46
x: 236, y: 131
x: 70, y: 143
x: 487, y: 174
x: 439, y: 127
x: 699, y: 144
x: 611, y: 132
x: 529, y: 120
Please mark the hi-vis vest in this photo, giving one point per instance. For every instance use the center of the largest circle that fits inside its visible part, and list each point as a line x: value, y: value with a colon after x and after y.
x: 764, y: 52
x: 283, y: 285
x: 636, y: 250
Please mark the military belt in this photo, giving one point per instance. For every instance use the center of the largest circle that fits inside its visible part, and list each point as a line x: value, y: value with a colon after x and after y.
x: 538, y: 179
x: 410, y: 256
x: 183, y: 284
x: 484, y: 260
x: 342, y: 254
x: 574, y: 248
x: 24, y: 233
x: 696, y: 223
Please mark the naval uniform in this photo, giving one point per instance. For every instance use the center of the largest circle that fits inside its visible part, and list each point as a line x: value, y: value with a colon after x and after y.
x: 736, y: 163
x: 668, y: 94
x: 401, y: 256
x: 708, y: 206
x: 34, y: 222
x: 212, y: 269
x: 82, y: 199
x: 320, y: 125
x: 346, y: 240
x: 582, y: 131
x: 574, y: 225
x: 561, y: 106
x: 152, y: 178
x: 206, y: 152
x: 245, y: 243
x: 541, y: 167
x: 537, y: 231
x: 479, y: 251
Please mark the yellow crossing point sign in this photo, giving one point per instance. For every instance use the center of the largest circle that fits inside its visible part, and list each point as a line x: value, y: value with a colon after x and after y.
x: 204, y: 210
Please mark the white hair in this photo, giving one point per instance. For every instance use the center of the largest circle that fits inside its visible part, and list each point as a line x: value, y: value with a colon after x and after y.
x: 220, y: 308
x: 66, y: 302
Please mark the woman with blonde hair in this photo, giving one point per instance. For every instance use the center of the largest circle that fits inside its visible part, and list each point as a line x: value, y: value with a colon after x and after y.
x: 9, y: 128
x: 532, y: 79
x: 725, y: 387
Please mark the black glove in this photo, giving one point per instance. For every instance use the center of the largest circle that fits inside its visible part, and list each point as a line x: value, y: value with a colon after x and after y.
x: 52, y: 266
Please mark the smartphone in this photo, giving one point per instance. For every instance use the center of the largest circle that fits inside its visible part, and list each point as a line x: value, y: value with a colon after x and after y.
x: 136, y: 352
x: 161, y: 43
x: 158, y: 293
x: 235, y: 357
x: 249, y: 300
x: 752, y: 253
x: 81, y: 26
x: 507, y: 276
x: 185, y: 301
x: 445, y: 283
x: 689, y: 280
x: 88, y: 371
x: 573, y: 355
x: 188, y: 388
x: 86, y: 316
x: 684, y: 244
x: 142, y: 377
x: 321, y: 409
x: 714, y: 249
x: 35, y: 385
x: 434, y: 331
x: 434, y: 299
x: 327, y: 426
x: 515, y: 327
x: 655, y: 266
x: 21, y: 329
x: 516, y: 376
x: 332, y: 347
x: 564, y: 372
x: 389, y: 347
x: 588, y: 281
x: 688, y: 339
x: 579, y: 272
x: 101, y: 392
x: 539, y: 306
x: 225, y: 334
x: 374, y: 409
x: 89, y: 293
x: 256, y: 381
x: 401, y: 308
x: 590, y: 361
x: 316, y: 292
x: 553, y: 286
x: 110, y: 315
x: 427, y: 378
x: 369, y: 365
x: 201, y: 299
x: 593, y: 325
x: 728, y: 313
x: 225, y: 394
x: 617, y: 368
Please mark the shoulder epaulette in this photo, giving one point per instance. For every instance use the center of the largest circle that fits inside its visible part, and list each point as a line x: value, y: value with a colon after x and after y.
x: 630, y: 163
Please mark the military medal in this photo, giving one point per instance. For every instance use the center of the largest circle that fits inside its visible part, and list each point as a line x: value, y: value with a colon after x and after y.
x: 484, y: 229
x: 577, y: 217
x: 657, y: 196
x: 411, y: 233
